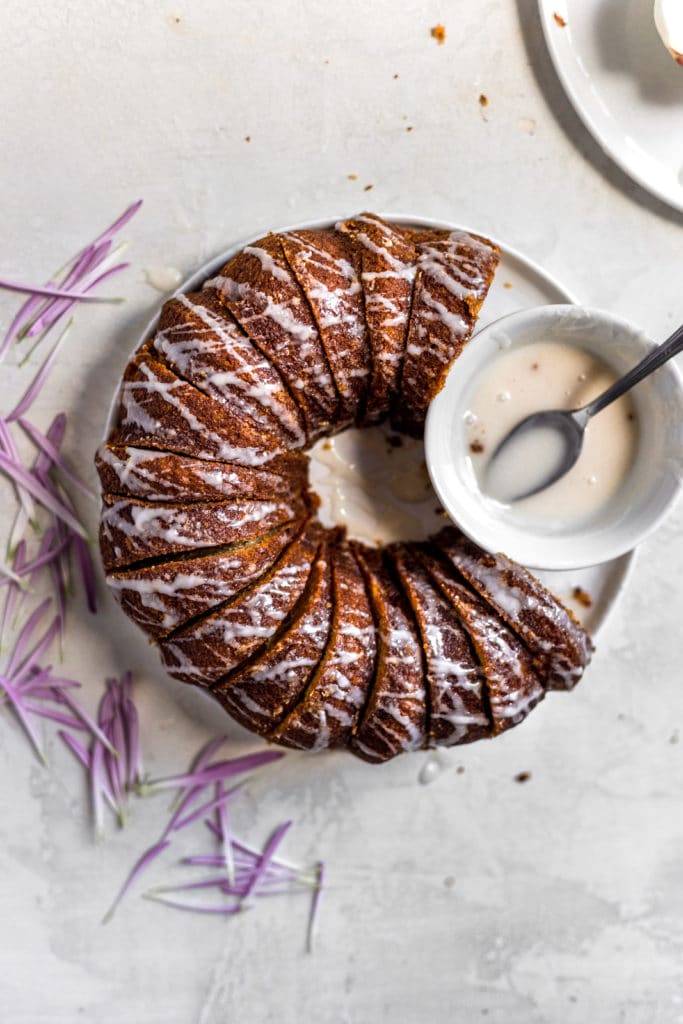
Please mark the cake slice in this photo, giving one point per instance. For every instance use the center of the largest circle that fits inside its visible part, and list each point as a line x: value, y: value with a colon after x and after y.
x: 454, y: 272
x: 210, y: 647
x: 260, y: 692
x: 560, y: 646
x: 327, y: 267
x: 458, y: 710
x: 394, y: 719
x: 132, y: 530
x: 387, y: 260
x: 127, y: 471
x: 260, y: 290
x: 512, y: 682
x: 338, y: 690
x: 199, y: 340
x: 157, y: 409
x: 164, y: 596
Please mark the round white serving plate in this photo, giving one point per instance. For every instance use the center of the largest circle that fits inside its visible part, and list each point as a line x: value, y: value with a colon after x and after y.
x: 624, y: 86
x: 519, y: 284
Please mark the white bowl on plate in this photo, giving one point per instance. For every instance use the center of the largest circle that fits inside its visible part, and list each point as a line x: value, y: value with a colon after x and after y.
x: 651, y: 485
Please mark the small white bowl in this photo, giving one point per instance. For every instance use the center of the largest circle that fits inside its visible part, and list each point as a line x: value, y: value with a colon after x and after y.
x: 653, y: 481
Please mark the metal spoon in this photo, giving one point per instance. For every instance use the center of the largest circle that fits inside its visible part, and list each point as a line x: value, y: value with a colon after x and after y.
x: 570, y: 425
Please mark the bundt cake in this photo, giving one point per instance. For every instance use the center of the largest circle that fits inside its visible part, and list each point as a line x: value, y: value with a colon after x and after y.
x: 209, y: 534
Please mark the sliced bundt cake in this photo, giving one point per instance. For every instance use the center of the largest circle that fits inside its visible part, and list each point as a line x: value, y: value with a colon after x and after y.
x: 209, y: 536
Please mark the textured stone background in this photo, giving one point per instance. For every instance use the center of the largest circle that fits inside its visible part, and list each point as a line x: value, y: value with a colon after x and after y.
x: 473, y: 898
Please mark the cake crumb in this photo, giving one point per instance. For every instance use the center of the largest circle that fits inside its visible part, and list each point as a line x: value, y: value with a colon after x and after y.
x: 630, y: 417
x: 247, y: 138
x: 368, y: 187
x: 409, y: 128
x: 559, y: 20
x: 352, y: 177
x: 395, y: 76
x: 460, y: 770
x: 439, y: 33
x: 483, y: 100
x: 582, y: 597
x: 522, y: 776
x: 507, y: 284
x: 327, y: 446
x: 476, y: 447
x: 534, y: 366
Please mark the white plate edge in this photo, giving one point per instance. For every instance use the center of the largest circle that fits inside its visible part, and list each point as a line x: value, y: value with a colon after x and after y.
x: 601, y: 136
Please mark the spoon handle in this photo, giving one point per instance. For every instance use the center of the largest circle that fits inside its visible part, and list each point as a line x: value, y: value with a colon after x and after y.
x: 652, y: 361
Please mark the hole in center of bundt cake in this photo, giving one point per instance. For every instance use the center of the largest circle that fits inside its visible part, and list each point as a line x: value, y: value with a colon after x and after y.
x: 375, y: 482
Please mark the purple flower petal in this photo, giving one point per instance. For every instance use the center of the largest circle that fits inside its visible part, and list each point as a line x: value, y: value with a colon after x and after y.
x: 219, y: 770
x: 29, y: 482
x: 24, y: 638
x: 271, y: 846
x: 28, y: 663
x: 119, y: 222
x: 315, y: 904
x: 205, y: 809
x: 224, y: 826
x: 135, y: 770
x: 97, y: 774
x: 144, y: 861
x: 35, y: 387
x: 75, y: 747
x: 52, y: 292
x: 86, y: 719
x: 53, y: 715
x: 18, y: 708
x: 42, y: 442
x: 199, y: 908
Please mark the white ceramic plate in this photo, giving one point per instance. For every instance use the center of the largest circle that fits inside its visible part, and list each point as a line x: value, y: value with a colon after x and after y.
x: 624, y: 85
x: 519, y: 283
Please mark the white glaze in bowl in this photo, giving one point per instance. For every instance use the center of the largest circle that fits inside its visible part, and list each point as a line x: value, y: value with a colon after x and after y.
x: 651, y: 485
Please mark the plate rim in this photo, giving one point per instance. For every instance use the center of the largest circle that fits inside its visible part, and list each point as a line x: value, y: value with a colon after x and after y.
x: 601, y: 135
x: 622, y: 566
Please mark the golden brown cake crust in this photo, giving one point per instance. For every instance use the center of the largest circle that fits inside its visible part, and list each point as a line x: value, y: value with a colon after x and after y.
x: 458, y: 704
x: 200, y: 341
x: 261, y: 691
x: 335, y: 696
x: 327, y: 267
x: 512, y: 683
x: 454, y: 272
x: 388, y: 261
x: 212, y: 647
x: 127, y: 471
x: 260, y: 290
x: 162, y: 597
x: 394, y: 719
